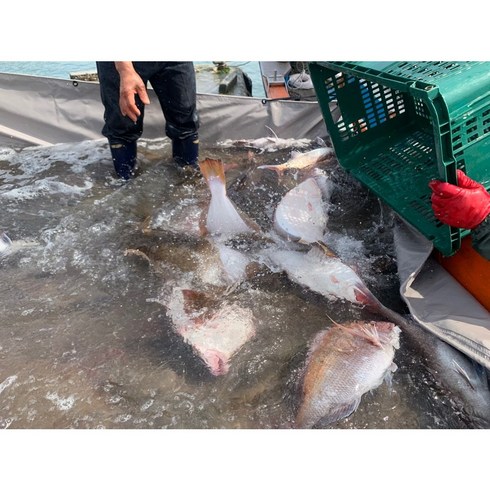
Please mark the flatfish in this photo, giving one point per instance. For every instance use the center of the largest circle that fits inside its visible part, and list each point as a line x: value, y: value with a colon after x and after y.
x: 215, y: 329
x: 301, y: 214
x: 222, y: 218
x: 322, y: 273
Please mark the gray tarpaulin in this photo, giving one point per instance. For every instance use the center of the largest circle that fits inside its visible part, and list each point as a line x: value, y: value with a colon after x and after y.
x: 44, y: 110
x: 437, y: 301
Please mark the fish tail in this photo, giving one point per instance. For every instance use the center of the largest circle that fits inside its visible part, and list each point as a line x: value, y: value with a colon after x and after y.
x: 211, y: 168
x: 377, y: 307
x: 272, y: 131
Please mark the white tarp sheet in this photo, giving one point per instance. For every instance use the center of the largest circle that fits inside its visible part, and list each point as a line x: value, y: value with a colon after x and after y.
x: 44, y: 110
x: 437, y: 301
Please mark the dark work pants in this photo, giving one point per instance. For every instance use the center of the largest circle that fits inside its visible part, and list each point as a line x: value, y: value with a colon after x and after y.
x: 174, y: 84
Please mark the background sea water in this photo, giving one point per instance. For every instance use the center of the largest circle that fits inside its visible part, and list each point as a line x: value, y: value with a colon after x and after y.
x: 62, y: 69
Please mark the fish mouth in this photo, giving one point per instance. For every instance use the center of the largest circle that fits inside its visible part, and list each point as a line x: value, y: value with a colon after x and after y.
x: 360, y: 297
x: 363, y: 297
x: 216, y: 361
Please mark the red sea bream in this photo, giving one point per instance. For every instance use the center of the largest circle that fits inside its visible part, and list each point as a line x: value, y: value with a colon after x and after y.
x: 343, y: 364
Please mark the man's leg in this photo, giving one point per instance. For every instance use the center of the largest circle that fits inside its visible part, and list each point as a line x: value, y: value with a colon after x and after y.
x: 175, y: 87
x: 120, y: 131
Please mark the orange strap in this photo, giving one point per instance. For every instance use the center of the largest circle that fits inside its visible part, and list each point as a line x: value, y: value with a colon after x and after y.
x: 470, y: 269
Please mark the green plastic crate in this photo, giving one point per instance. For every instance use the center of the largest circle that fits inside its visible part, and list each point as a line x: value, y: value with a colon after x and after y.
x: 404, y: 123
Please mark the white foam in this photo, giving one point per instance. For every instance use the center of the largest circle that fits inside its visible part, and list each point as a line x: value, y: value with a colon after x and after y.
x: 8, y: 382
x: 62, y: 404
x: 268, y: 144
x: 181, y: 217
x: 45, y: 186
x: 147, y: 405
x: 346, y: 247
x: 7, y: 153
x: 76, y: 156
x: 154, y: 144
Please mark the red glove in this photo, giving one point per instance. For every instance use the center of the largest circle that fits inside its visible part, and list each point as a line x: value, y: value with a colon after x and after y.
x: 463, y: 206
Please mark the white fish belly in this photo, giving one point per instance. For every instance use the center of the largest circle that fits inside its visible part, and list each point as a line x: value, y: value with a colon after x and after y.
x: 328, y: 277
x: 223, y: 218
x: 215, y: 336
x: 301, y: 213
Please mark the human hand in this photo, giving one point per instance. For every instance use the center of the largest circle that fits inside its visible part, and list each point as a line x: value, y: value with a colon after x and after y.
x: 131, y: 85
x: 463, y: 206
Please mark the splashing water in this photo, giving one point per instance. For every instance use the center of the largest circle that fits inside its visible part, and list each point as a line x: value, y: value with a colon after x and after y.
x: 86, y: 339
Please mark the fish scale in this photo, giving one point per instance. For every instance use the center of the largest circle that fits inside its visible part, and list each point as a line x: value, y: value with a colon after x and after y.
x: 343, y: 363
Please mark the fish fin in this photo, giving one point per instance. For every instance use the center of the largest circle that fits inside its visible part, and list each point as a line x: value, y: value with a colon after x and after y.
x: 365, y: 332
x: 146, y: 226
x: 321, y: 142
x: 459, y: 369
x: 276, y: 168
x: 7, y: 244
x: 365, y: 297
x: 333, y: 321
x: 325, y: 249
x: 212, y: 168
x: 203, y: 230
x: 272, y: 131
x: 388, y: 378
x: 339, y: 412
x: 231, y: 288
x: 295, y: 154
x: 138, y: 253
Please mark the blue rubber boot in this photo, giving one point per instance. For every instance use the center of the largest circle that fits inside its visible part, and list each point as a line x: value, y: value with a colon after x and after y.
x: 124, y: 159
x: 185, y: 153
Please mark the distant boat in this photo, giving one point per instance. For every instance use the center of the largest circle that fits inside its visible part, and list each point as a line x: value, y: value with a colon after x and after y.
x: 286, y: 80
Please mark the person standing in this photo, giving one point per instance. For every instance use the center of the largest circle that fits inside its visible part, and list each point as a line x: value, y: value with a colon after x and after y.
x: 123, y: 89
